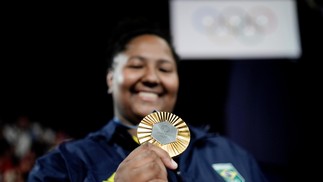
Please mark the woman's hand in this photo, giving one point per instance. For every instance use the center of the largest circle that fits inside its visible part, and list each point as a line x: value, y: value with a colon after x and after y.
x: 146, y: 163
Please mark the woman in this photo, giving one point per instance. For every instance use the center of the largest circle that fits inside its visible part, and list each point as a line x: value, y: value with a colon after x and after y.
x: 143, y: 77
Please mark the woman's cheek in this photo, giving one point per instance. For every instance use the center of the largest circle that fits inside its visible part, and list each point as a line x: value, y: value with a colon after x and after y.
x: 130, y: 77
x: 172, y: 84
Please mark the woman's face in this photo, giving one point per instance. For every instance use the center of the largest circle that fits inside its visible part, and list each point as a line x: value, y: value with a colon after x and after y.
x: 144, y: 78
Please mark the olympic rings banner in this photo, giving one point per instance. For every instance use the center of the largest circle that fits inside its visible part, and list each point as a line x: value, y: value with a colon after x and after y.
x: 235, y: 29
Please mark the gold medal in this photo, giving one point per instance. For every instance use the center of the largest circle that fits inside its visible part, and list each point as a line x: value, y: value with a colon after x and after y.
x: 165, y: 130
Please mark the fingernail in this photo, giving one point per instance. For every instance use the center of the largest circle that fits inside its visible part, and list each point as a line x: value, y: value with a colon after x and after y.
x: 174, y: 164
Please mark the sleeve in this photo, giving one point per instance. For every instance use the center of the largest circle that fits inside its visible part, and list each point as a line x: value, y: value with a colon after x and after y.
x: 50, y: 167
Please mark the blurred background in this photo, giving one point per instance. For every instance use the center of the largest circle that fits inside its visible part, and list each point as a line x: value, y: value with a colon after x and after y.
x: 250, y: 70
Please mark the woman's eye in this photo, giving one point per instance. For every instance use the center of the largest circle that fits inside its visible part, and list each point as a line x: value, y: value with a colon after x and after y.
x: 135, y: 63
x: 136, y: 66
x: 165, y: 69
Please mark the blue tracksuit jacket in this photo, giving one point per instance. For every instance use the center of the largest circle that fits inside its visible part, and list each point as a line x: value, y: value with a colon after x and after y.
x: 209, y: 157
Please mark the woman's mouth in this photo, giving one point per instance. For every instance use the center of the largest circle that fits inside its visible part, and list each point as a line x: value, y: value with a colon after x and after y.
x: 148, y: 96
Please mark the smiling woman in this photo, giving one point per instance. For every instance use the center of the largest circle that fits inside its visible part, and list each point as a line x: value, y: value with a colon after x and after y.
x: 53, y: 70
x: 142, y: 77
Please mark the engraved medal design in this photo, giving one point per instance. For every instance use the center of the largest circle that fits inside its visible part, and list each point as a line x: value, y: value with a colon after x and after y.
x: 165, y: 130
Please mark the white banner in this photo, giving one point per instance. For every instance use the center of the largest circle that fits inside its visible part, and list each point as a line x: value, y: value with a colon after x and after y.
x: 241, y: 29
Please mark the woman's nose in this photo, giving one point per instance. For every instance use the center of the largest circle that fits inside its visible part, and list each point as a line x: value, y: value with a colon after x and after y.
x: 151, y: 75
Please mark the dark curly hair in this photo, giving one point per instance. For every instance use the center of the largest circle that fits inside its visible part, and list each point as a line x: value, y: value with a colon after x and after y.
x: 129, y: 28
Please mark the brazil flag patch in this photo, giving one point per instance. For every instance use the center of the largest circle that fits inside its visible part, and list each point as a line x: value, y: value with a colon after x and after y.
x: 228, y: 172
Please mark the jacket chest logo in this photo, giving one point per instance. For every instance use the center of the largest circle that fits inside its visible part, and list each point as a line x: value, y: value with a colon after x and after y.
x: 228, y: 172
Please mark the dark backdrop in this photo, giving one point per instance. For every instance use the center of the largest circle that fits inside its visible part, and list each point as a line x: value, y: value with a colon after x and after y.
x: 53, y: 70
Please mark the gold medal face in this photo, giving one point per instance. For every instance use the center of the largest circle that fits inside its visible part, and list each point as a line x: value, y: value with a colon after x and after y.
x: 165, y: 130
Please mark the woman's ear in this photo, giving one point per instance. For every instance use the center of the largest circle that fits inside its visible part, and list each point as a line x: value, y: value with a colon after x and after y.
x: 109, y: 79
